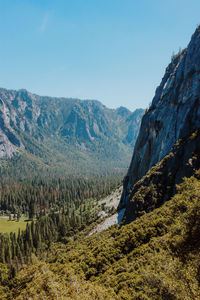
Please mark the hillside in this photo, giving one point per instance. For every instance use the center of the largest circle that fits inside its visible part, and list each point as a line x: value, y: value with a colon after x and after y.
x: 46, y: 135
x: 155, y: 257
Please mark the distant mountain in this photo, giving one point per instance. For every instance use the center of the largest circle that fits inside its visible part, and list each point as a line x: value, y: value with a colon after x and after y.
x: 61, y: 135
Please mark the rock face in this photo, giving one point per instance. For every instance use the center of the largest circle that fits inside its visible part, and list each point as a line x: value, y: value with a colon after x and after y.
x: 173, y: 114
x: 159, y: 183
x: 76, y: 131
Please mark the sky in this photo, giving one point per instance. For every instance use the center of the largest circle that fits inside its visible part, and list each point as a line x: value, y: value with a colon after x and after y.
x: 115, y: 51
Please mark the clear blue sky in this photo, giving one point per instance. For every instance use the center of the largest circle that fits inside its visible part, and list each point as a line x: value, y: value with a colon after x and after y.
x: 115, y: 51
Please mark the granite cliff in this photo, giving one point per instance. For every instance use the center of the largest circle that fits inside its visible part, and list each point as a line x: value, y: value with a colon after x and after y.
x: 173, y: 115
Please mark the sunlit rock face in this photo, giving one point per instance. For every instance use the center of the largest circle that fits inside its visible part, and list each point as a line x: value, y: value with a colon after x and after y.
x: 174, y: 113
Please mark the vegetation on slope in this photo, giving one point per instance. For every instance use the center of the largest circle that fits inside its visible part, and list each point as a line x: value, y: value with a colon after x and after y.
x: 59, y: 159
x: 154, y: 257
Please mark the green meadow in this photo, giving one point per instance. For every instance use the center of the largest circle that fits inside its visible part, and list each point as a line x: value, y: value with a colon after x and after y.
x: 7, y: 226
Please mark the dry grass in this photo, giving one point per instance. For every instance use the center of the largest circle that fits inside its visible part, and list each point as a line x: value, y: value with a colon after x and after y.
x: 7, y: 226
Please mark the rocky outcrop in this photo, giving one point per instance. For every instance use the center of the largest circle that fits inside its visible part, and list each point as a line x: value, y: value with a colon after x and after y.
x: 173, y: 114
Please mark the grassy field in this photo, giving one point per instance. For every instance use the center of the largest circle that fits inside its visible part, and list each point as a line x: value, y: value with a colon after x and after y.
x: 12, y: 226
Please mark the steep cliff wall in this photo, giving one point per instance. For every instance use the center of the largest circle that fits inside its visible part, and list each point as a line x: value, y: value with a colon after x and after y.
x: 159, y: 183
x: 173, y: 114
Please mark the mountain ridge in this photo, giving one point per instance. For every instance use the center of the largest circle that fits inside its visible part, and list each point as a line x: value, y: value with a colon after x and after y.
x: 66, y: 126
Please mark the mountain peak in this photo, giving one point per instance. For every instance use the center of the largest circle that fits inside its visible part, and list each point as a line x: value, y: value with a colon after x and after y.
x: 123, y: 111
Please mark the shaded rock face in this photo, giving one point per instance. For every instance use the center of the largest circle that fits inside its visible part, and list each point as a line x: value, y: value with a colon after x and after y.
x: 82, y: 124
x: 173, y: 114
x: 159, y: 183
